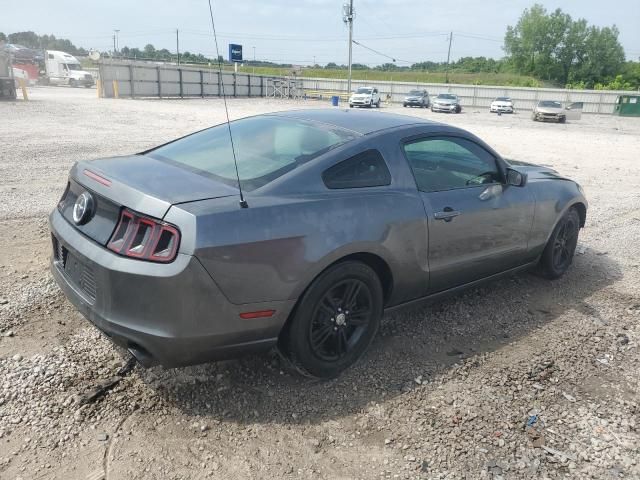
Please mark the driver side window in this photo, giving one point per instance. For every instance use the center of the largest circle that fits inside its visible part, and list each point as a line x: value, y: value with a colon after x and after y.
x: 447, y: 163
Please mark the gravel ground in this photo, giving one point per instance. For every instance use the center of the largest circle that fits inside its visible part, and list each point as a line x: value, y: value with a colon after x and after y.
x: 522, y: 378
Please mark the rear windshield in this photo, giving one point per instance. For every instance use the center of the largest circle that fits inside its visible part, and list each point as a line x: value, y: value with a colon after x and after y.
x: 550, y: 104
x: 503, y: 99
x: 266, y: 148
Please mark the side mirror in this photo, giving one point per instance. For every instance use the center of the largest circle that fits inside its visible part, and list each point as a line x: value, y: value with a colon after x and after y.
x: 516, y: 178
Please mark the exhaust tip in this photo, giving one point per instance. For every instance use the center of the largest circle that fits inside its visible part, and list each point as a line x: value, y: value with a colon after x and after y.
x: 143, y: 357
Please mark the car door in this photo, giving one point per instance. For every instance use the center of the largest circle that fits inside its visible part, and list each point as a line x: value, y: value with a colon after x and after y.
x: 573, y: 111
x: 478, y: 225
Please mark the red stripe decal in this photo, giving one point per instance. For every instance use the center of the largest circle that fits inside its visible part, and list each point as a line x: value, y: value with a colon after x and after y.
x: 98, y: 178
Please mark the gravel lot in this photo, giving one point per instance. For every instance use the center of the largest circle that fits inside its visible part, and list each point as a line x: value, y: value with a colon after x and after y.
x: 523, y: 378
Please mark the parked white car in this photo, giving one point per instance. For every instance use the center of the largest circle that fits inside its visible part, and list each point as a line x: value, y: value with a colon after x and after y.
x: 501, y: 105
x: 365, y: 97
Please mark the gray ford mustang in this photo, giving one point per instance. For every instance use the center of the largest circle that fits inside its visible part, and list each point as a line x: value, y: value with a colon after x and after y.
x: 346, y: 214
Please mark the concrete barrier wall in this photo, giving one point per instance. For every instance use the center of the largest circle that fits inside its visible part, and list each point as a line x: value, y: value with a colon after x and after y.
x: 147, y: 79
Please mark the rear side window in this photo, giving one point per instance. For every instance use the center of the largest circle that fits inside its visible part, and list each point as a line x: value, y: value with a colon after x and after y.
x: 266, y: 148
x: 366, y: 169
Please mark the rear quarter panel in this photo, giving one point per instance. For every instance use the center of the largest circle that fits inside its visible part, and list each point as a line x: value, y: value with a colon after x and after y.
x: 297, y: 227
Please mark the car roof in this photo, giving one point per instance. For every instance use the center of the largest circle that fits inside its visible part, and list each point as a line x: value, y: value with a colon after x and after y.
x: 355, y: 120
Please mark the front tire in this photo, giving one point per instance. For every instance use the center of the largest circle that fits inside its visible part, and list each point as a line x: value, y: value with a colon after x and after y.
x: 336, y: 320
x: 72, y: 83
x: 558, y: 254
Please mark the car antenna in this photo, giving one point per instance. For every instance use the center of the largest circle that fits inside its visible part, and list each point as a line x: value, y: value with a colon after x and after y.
x: 243, y: 202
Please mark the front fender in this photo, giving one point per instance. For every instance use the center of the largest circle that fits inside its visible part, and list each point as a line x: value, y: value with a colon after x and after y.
x: 553, y: 199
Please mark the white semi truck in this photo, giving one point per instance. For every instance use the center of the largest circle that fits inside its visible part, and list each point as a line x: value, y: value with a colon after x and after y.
x: 60, y: 68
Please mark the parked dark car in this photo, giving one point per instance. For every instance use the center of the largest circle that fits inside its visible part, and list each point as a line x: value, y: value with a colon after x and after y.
x: 347, y: 214
x: 417, y: 98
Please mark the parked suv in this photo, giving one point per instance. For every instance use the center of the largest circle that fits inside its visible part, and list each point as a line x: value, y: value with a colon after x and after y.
x: 365, y: 97
x: 417, y: 98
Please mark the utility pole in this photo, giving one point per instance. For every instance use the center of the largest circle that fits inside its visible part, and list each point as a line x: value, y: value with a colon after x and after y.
x: 178, y: 45
x: 446, y: 75
x: 347, y: 17
x: 115, y: 41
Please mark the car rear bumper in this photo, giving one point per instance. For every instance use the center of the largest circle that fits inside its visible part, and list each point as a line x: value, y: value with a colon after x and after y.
x: 169, y: 314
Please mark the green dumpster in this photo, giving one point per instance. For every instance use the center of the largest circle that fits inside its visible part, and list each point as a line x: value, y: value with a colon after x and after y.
x: 627, y: 106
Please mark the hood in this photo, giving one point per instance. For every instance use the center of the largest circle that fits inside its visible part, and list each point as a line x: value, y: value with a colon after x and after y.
x: 145, y: 184
x: 445, y: 101
x: 78, y: 73
x: 534, y: 171
x: 361, y: 95
x: 549, y: 110
x: 501, y: 103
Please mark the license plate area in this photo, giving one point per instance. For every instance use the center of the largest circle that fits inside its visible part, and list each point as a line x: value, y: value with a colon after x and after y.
x: 80, y: 275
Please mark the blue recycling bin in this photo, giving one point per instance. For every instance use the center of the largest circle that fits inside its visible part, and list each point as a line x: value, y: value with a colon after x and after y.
x: 334, y: 100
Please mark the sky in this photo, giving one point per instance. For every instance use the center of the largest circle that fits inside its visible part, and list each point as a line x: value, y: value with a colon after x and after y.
x: 306, y: 31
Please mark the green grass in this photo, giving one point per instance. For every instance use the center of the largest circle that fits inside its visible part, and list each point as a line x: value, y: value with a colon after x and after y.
x: 503, y: 79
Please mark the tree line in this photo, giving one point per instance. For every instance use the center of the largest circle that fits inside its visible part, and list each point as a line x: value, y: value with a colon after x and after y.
x: 549, y: 46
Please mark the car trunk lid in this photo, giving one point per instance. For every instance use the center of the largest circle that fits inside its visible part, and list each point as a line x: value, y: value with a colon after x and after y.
x: 138, y: 182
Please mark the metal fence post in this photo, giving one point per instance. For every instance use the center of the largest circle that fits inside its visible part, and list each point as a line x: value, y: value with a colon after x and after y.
x: 201, y: 83
x: 600, y: 102
x: 262, y: 92
x: 159, y: 84
x: 235, y: 81
x: 132, y: 90
x: 219, y: 83
x: 249, y: 83
x: 180, y: 77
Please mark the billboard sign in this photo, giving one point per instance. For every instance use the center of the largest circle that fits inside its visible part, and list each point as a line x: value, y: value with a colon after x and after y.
x: 235, y: 52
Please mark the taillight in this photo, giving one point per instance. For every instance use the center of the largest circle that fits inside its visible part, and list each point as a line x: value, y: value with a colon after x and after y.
x: 145, y: 238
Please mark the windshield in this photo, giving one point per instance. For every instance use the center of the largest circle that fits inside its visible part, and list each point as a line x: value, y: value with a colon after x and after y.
x: 447, y: 96
x: 503, y: 99
x: 363, y: 90
x: 415, y: 93
x: 266, y: 148
x: 73, y: 66
x: 550, y: 104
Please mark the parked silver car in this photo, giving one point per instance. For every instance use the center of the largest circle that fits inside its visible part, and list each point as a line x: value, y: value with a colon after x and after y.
x: 345, y: 214
x: 446, y: 102
x: 549, y: 110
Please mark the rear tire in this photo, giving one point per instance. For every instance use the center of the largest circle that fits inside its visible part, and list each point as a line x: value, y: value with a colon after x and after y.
x: 336, y: 320
x: 558, y: 254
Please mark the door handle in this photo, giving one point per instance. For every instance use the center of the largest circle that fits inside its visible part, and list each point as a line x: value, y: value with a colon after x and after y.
x: 447, y: 214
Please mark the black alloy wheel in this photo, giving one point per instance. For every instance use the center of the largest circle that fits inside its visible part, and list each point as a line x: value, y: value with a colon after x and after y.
x: 558, y: 254
x: 335, y: 321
